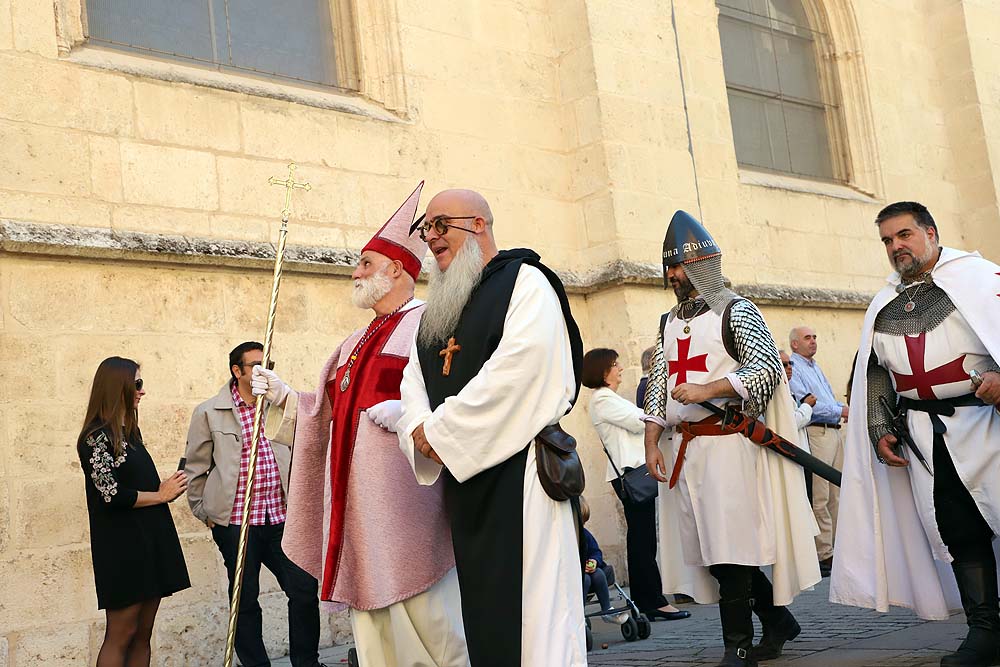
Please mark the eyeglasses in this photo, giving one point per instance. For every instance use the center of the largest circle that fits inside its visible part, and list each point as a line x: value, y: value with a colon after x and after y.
x: 440, y: 225
x: 270, y: 365
x: 786, y: 364
x: 138, y: 384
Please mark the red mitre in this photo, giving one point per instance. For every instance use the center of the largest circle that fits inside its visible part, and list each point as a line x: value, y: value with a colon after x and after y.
x: 394, y: 240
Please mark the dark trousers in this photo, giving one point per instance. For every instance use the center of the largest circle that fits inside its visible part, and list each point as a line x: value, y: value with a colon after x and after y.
x: 962, y: 526
x: 644, y: 580
x: 597, y: 583
x: 264, y: 548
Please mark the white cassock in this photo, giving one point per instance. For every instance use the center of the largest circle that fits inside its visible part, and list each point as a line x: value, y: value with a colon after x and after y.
x: 890, y: 552
x: 527, y: 384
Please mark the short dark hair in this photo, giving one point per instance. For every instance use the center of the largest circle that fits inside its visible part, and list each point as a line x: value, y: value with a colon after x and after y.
x: 596, y: 365
x: 236, y: 356
x: 919, y: 212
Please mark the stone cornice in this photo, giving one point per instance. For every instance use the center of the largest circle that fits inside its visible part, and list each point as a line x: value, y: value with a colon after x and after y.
x: 109, y: 244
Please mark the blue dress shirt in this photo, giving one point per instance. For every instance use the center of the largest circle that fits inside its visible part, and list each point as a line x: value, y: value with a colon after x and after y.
x: 808, y: 378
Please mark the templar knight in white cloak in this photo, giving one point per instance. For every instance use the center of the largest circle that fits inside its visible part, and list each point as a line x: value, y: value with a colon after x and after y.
x: 917, y: 506
x: 733, y: 507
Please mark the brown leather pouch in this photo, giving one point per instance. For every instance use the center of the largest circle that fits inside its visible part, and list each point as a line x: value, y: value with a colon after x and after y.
x: 560, y: 470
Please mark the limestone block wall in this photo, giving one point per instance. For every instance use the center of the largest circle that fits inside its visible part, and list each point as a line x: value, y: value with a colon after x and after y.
x: 135, y: 218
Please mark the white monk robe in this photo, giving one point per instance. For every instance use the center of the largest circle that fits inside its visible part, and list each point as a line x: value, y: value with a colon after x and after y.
x: 890, y: 552
x: 526, y: 385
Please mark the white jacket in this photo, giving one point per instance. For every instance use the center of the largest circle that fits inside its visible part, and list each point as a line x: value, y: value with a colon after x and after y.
x: 619, y: 424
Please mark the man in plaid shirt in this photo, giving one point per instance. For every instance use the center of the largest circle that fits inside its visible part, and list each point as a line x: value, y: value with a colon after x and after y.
x: 218, y: 462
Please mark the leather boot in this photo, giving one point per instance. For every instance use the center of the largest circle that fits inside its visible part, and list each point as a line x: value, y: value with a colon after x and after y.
x: 735, y: 614
x: 779, y: 626
x: 977, y: 584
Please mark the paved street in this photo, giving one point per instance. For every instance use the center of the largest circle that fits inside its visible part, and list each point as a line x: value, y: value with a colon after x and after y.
x: 831, y: 636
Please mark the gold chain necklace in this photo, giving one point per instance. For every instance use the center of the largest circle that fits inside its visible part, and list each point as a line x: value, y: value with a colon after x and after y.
x: 375, y: 325
x: 687, y: 320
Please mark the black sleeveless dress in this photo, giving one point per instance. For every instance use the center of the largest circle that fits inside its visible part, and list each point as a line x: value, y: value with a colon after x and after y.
x: 136, y: 553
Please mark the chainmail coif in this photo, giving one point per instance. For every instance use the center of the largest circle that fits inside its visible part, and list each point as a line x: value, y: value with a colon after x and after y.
x: 706, y: 276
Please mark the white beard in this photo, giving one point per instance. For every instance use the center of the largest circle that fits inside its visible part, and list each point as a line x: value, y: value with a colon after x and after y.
x: 369, y: 291
x: 448, y: 292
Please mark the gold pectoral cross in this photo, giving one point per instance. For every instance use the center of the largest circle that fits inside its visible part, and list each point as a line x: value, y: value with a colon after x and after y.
x: 447, y: 353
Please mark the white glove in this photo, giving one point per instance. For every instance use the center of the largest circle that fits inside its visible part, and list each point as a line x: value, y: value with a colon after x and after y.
x: 386, y: 414
x: 266, y: 383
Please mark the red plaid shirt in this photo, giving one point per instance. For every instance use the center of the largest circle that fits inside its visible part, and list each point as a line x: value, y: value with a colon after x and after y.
x: 267, y: 505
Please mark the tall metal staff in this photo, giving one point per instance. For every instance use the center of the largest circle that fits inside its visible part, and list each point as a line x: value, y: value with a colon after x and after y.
x: 289, y: 184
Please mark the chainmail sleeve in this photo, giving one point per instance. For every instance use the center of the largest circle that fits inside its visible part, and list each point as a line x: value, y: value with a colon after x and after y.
x: 753, y: 346
x: 879, y: 384
x: 655, y: 403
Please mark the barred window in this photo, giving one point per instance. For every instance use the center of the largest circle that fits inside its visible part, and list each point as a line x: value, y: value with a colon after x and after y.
x: 782, y: 115
x: 291, y: 39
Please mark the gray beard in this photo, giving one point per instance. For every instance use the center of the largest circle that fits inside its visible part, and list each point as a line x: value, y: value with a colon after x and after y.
x: 913, y: 270
x: 447, y: 293
x: 369, y: 291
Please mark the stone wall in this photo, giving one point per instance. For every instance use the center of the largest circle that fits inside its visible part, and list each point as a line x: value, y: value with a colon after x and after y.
x: 136, y: 219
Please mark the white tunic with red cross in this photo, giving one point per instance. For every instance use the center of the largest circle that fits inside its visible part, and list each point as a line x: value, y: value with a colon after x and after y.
x: 723, y: 492
x: 936, y: 365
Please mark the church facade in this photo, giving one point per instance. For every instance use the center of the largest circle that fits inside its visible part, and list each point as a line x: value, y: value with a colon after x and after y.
x: 136, y: 218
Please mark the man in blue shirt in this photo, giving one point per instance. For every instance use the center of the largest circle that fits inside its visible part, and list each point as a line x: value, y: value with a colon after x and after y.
x: 825, y: 437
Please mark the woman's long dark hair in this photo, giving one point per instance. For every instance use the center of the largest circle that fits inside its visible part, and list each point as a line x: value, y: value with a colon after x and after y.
x: 112, y: 402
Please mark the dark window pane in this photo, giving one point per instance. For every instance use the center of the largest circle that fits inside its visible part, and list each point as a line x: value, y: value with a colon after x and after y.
x: 808, y: 141
x: 797, y: 68
x: 747, y: 55
x: 178, y: 27
x: 758, y: 131
x: 293, y: 38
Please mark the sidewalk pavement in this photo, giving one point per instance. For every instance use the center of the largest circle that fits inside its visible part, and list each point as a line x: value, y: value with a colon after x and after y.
x: 832, y: 636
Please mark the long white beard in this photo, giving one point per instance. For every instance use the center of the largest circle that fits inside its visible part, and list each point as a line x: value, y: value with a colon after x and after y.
x: 369, y: 291
x: 448, y: 292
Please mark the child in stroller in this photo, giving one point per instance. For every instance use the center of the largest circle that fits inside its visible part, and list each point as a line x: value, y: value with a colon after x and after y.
x: 598, y: 578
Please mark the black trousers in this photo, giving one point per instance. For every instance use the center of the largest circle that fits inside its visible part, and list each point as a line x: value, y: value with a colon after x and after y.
x: 962, y: 526
x: 264, y: 548
x: 645, y: 584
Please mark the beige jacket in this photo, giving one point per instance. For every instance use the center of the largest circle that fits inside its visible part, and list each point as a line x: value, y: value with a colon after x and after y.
x: 214, y: 446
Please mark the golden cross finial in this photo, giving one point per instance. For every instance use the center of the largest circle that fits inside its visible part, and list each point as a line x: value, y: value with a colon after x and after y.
x: 289, y: 184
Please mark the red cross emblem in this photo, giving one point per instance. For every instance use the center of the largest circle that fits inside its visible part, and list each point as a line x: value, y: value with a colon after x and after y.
x: 922, y: 380
x: 683, y: 364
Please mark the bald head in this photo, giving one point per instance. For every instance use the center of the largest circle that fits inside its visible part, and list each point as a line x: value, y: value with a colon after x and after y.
x: 468, y: 218
x: 803, y: 341
x: 466, y: 202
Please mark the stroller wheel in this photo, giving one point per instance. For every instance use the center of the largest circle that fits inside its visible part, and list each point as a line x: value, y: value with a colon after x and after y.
x: 352, y: 658
x: 645, y: 627
x: 590, y: 637
x: 630, y: 630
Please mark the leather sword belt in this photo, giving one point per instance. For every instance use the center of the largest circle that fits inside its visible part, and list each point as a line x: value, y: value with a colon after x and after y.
x: 939, y: 407
x: 689, y: 430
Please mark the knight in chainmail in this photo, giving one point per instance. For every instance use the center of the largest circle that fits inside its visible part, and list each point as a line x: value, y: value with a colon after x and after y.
x: 714, y: 346
x: 931, y: 332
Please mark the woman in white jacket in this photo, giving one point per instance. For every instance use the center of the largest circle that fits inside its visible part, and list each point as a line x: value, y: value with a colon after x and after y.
x: 619, y: 424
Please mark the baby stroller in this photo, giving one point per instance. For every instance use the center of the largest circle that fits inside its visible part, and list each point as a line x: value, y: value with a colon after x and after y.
x: 637, y: 626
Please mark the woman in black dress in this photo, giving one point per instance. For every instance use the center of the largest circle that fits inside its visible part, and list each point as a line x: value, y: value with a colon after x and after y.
x: 137, y: 556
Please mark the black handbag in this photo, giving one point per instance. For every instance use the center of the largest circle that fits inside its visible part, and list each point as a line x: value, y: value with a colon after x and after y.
x: 634, y: 486
x: 560, y: 470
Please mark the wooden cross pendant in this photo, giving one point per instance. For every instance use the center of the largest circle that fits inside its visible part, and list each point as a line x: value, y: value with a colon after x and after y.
x: 447, y: 353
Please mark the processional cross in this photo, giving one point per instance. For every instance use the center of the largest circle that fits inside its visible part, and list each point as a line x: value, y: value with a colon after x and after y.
x: 289, y: 183
x: 447, y: 353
